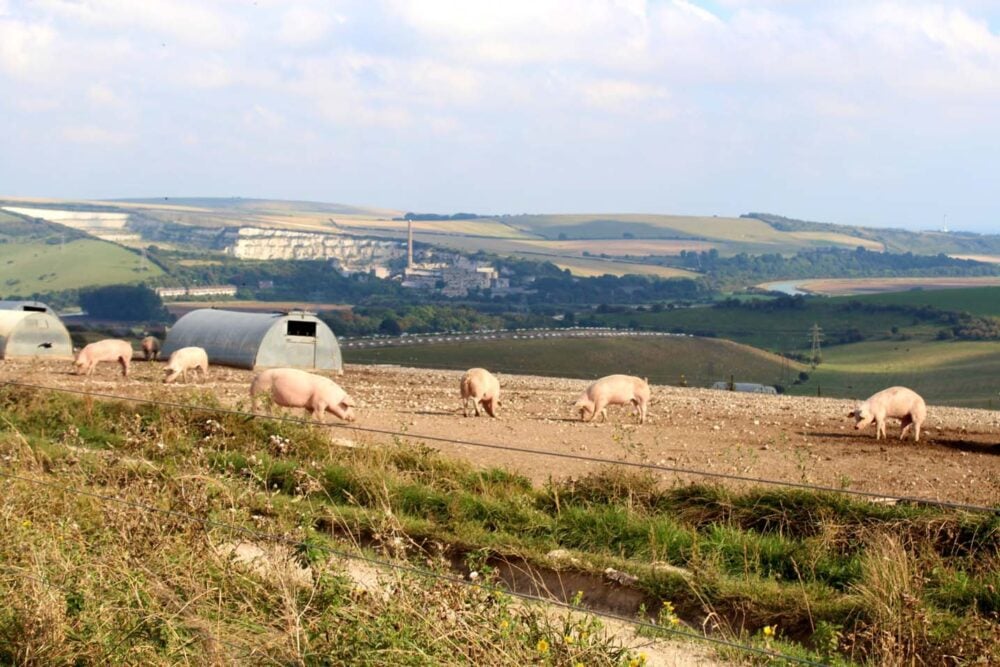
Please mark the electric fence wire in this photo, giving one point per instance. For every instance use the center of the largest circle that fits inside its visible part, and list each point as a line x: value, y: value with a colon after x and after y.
x: 881, y: 497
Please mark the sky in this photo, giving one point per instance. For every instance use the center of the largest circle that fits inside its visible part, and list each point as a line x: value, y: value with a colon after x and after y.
x: 857, y: 112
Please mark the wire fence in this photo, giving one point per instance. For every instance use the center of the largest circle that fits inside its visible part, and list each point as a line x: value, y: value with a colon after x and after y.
x: 207, y: 523
x: 675, y: 470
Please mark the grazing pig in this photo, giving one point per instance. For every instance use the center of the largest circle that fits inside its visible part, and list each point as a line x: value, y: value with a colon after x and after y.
x: 613, y: 390
x: 292, y: 388
x: 184, y: 360
x: 483, y: 388
x: 151, y: 348
x: 899, y: 403
x: 110, y: 349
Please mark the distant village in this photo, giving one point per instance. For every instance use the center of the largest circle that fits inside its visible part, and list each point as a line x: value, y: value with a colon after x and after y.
x: 447, y: 273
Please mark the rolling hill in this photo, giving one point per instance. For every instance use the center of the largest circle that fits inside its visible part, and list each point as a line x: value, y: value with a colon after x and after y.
x: 701, y: 361
x: 586, y: 244
x: 40, y: 257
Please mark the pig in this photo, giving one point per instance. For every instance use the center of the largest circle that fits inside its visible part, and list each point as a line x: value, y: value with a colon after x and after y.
x: 613, y: 390
x: 483, y: 388
x: 292, y: 388
x: 899, y: 403
x: 184, y: 360
x: 151, y: 348
x: 109, y: 349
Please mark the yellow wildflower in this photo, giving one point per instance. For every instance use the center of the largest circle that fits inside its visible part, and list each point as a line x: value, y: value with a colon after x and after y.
x: 504, y: 624
x: 542, y: 646
x: 674, y: 620
x: 769, y: 630
x: 26, y: 523
x: 568, y: 639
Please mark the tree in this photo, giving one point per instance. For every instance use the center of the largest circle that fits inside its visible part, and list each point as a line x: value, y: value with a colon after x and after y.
x: 390, y: 326
x: 124, y: 303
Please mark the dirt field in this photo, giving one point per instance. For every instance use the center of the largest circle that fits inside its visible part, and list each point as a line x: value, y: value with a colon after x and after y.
x: 795, y: 439
x: 850, y: 286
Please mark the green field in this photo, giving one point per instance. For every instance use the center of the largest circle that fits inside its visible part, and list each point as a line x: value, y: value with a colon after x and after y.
x: 779, y: 330
x: 32, y: 267
x: 984, y: 301
x: 963, y: 373
x: 662, y: 360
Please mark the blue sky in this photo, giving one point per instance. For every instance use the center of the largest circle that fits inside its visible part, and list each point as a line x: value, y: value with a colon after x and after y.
x: 867, y: 112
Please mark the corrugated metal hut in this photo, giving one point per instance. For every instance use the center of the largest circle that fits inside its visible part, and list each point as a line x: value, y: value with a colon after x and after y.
x: 33, y: 306
x: 257, y: 340
x: 33, y: 333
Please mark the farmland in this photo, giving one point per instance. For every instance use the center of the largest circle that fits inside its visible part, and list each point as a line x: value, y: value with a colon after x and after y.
x: 775, y: 326
x: 701, y: 361
x: 33, y: 267
x: 983, y: 301
x: 861, y: 286
x: 943, y: 372
x: 731, y: 559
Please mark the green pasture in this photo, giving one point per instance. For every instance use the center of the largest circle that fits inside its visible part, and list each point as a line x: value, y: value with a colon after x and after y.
x: 701, y: 361
x: 963, y: 373
x: 38, y: 266
x: 778, y: 330
x: 983, y: 301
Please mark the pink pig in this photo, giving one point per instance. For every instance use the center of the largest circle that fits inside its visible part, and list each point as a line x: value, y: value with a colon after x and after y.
x: 899, y: 403
x: 292, y: 388
x: 184, y: 360
x: 483, y: 388
x: 613, y: 390
x: 109, y: 349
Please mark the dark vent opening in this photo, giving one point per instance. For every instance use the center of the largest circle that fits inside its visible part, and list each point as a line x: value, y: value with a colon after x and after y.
x: 300, y: 328
x: 33, y: 309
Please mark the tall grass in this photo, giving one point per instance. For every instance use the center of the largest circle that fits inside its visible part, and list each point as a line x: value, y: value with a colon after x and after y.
x: 876, y: 582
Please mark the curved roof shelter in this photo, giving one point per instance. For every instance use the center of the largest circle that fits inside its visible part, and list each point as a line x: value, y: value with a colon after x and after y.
x: 33, y: 306
x: 257, y: 340
x: 27, y: 333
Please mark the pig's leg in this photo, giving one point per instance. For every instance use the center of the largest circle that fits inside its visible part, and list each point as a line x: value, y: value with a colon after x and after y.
x: 880, y: 428
x: 906, y: 422
x: 642, y: 411
x: 318, y: 411
x: 916, y: 430
x: 600, y: 408
x: 475, y: 404
x: 465, y: 406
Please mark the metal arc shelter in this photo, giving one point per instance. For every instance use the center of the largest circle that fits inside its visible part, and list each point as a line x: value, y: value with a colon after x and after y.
x: 295, y: 339
x: 33, y: 333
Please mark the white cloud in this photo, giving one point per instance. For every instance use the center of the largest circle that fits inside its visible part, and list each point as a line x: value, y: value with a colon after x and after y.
x: 93, y: 134
x: 24, y: 46
x: 181, y: 21
x: 306, y: 25
x: 629, y: 97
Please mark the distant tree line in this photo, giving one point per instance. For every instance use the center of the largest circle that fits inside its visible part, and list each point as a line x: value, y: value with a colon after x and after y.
x: 745, y: 269
x: 123, y: 303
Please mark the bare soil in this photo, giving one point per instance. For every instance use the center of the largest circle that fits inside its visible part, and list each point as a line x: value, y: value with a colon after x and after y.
x: 795, y: 439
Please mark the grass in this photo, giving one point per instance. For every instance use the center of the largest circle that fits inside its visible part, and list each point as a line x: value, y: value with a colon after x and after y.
x: 776, y: 329
x: 983, y: 301
x: 701, y: 361
x: 87, y: 581
x: 958, y: 373
x: 839, y: 578
x: 31, y: 267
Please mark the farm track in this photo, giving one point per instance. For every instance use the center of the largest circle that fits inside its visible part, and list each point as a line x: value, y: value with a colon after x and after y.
x: 794, y: 439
